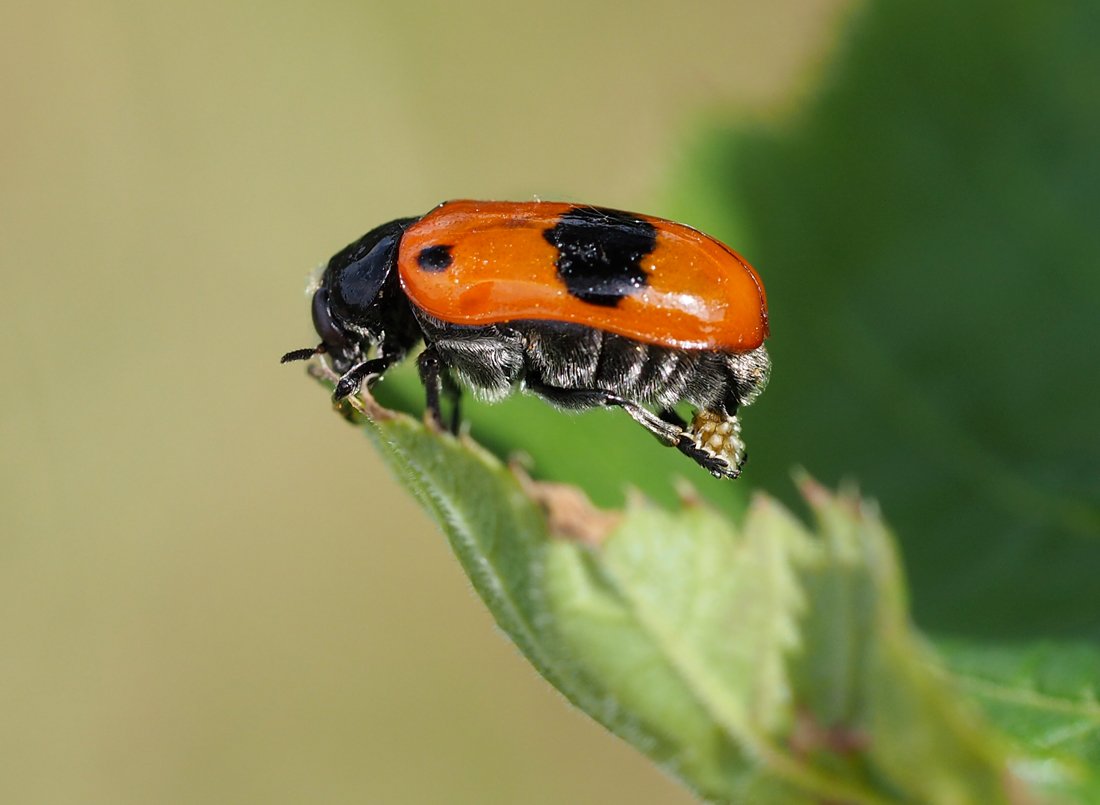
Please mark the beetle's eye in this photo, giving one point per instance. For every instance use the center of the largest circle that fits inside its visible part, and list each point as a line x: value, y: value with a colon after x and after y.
x: 331, y: 335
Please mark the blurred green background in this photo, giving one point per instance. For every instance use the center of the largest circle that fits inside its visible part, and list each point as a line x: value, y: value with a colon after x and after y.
x: 210, y: 588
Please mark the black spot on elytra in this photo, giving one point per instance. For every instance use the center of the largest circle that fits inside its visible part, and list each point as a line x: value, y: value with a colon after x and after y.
x: 435, y: 258
x: 600, y: 253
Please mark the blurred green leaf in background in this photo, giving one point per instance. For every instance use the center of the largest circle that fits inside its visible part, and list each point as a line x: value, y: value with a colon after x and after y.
x: 928, y: 229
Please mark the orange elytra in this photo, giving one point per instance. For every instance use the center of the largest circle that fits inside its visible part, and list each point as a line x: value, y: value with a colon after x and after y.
x: 691, y: 291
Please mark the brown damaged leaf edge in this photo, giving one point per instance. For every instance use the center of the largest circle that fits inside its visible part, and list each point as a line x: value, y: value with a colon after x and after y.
x: 810, y: 736
x: 569, y: 512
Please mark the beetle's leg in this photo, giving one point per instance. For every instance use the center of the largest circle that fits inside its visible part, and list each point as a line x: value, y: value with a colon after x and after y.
x: 430, y: 366
x: 439, y: 382
x: 712, y: 440
x: 669, y: 433
x: 732, y: 403
x: 354, y: 377
x: 454, y: 394
x: 580, y: 399
x: 670, y: 416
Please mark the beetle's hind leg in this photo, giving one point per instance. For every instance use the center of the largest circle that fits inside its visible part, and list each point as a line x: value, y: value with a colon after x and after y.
x: 712, y: 440
x: 583, y: 399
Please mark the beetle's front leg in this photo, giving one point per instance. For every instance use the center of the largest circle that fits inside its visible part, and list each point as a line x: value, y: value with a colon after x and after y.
x: 365, y: 372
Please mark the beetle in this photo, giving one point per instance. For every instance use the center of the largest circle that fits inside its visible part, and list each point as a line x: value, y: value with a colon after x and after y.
x: 582, y: 306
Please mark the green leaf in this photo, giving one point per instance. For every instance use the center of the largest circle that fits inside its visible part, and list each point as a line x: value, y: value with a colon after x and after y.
x: 763, y: 662
x: 686, y: 627
x: 926, y: 227
x: 1045, y: 695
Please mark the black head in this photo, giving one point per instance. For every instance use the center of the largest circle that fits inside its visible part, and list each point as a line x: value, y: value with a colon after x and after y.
x: 348, y: 308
